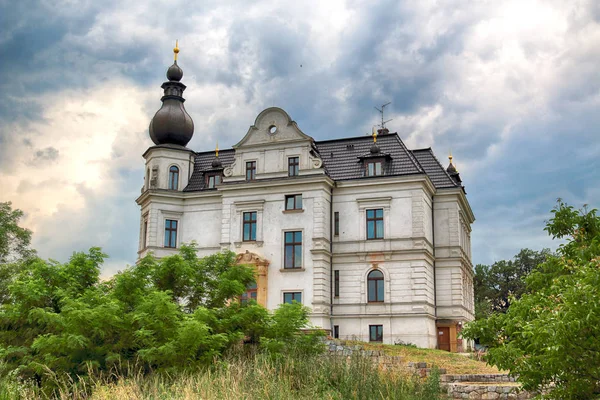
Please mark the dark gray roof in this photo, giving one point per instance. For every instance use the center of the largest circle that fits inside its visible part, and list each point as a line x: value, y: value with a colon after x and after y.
x: 342, y: 157
x: 436, y: 172
x: 342, y: 161
x: 203, y: 164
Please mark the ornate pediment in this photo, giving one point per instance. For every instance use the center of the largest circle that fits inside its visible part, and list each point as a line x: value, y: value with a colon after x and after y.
x: 272, y: 126
x: 251, y: 259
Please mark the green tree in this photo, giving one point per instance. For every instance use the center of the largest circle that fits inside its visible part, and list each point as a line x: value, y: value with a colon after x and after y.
x: 14, y: 240
x: 14, y: 246
x: 550, y: 337
x: 497, y: 284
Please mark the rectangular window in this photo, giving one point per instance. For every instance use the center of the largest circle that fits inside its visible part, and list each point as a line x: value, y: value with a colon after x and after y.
x: 336, y: 223
x: 170, y: 233
x: 374, y: 168
x: 213, y: 181
x: 250, y: 170
x: 293, y: 202
x: 290, y: 297
x: 375, y: 224
x: 249, y: 226
x: 293, y: 166
x: 293, y: 250
x: 336, y: 283
x: 336, y: 331
x: 145, y: 235
x: 375, y: 333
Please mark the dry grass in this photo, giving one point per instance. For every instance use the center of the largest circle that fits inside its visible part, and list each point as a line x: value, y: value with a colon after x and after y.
x: 453, y: 363
x: 259, y: 377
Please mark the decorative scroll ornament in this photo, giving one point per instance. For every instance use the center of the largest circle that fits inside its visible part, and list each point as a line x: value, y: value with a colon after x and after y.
x: 316, y: 162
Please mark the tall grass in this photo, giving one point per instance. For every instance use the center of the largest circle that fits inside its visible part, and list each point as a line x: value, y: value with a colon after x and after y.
x: 257, y: 376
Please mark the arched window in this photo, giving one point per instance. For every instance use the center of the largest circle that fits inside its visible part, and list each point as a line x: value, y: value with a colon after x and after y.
x: 375, y: 286
x: 173, y: 178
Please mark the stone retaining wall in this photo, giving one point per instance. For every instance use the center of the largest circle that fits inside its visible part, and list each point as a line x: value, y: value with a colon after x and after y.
x: 379, y: 358
x: 478, y: 378
x: 486, y: 386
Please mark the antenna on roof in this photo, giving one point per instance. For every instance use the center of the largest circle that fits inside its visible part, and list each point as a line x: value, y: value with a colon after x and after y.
x: 382, y: 125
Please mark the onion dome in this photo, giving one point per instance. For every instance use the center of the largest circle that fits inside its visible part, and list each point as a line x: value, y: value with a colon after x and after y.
x: 374, y: 148
x: 217, y: 163
x: 174, y: 73
x: 453, y: 172
x: 172, y: 124
x: 451, y: 168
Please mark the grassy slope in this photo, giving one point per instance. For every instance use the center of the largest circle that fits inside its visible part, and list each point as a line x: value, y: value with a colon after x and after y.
x: 452, y: 362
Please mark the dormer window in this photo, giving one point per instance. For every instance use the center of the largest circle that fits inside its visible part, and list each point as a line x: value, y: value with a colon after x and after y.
x: 212, y: 180
x: 374, y: 168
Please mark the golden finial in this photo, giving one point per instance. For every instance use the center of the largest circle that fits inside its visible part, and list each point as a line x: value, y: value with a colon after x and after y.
x: 217, y: 149
x: 176, y: 49
x: 374, y: 134
x: 450, y: 156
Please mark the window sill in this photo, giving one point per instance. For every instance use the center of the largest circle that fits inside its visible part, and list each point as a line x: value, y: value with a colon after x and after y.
x: 293, y: 211
x: 257, y: 243
x: 291, y: 270
x: 375, y: 302
x: 375, y: 239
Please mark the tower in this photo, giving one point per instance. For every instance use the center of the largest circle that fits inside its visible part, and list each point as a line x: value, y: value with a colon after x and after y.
x: 169, y: 162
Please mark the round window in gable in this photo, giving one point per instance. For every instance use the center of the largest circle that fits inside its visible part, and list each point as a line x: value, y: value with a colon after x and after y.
x: 272, y: 129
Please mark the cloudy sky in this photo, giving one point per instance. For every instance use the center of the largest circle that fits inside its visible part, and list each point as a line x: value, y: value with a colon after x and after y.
x: 511, y: 87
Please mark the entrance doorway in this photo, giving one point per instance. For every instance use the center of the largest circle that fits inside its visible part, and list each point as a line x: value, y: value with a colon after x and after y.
x: 443, y: 338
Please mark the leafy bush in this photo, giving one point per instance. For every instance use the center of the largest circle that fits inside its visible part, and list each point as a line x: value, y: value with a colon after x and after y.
x: 170, y: 315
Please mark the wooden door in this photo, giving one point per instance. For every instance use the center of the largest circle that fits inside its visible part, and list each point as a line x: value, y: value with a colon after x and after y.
x: 443, y: 338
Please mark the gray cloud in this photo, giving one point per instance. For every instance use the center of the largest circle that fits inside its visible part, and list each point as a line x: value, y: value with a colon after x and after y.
x: 512, y: 90
x: 48, y: 154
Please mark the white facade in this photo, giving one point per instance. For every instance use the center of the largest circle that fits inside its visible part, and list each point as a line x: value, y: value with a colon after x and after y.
x: 424, y: 253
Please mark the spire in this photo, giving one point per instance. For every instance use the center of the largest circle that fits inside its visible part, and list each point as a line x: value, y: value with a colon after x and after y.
x: 452, y: 171
x: 374, y: 148
x: 172, y: 124
x: 216, y: 162
x: 451, y: 168
x: 174, y: 73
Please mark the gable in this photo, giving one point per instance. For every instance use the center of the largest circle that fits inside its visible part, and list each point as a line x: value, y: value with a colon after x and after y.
x: 272, y: 126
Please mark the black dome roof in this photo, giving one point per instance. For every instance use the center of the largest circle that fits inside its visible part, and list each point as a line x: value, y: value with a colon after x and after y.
x: 174, y: 73
x: 172, y: 124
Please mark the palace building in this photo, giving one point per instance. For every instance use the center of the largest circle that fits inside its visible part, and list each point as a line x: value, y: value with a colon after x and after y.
x: 372, y: 236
